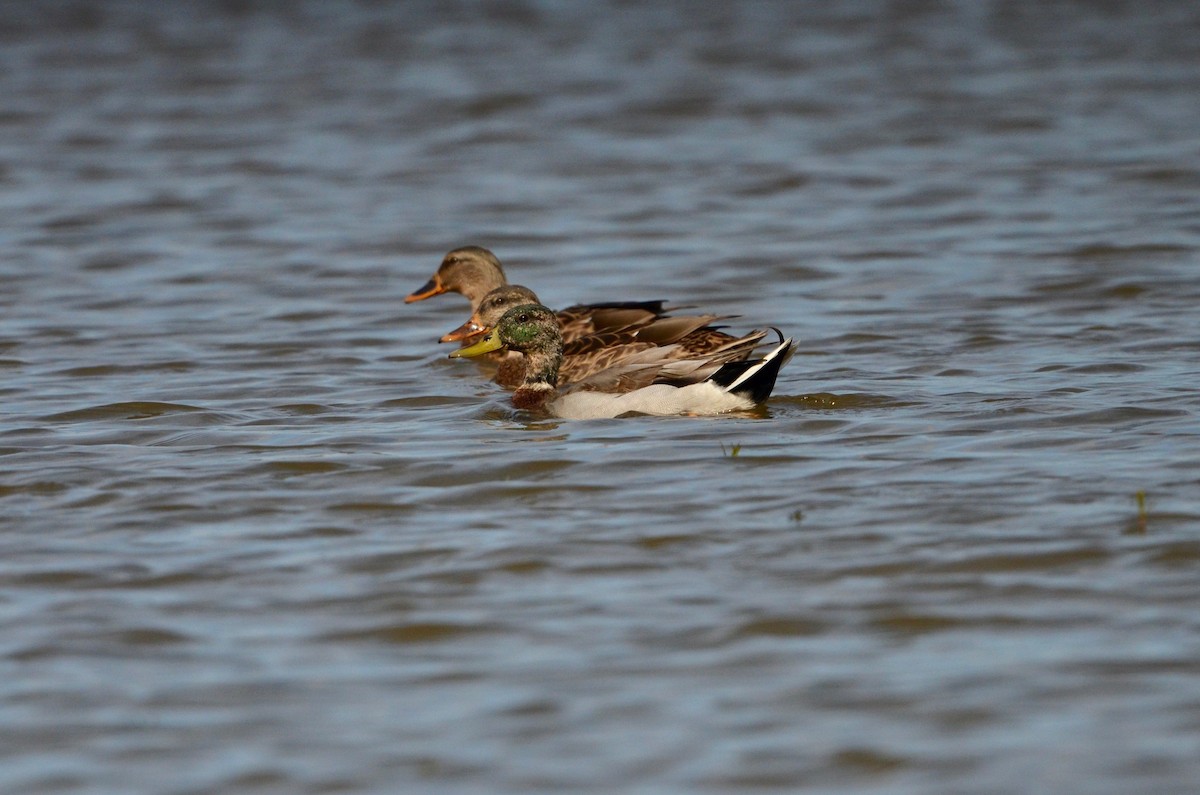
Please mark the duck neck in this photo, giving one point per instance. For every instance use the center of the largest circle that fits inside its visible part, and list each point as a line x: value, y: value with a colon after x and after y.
x: 541, y: 368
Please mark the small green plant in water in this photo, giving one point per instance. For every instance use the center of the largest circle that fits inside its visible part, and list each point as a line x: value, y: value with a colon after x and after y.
x: 732, y: 452
x: 1138, y: 527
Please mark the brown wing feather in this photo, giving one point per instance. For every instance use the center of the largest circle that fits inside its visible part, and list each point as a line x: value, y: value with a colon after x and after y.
x: 709, y: 342
x: 583, y: 319
x: 620, y: 347
x: 620, y: 378
x: 665, y: 330
x: 704, y: 348
x: 576, y: 368
x: 583, y: 346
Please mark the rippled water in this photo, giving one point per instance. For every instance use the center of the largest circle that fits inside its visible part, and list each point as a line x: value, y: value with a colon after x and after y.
x: 257, y: 533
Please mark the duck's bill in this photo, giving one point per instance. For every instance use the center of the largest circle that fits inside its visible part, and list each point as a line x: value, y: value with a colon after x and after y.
x: 466, y: 331
x: 428, y: 290
x: 486, y: 345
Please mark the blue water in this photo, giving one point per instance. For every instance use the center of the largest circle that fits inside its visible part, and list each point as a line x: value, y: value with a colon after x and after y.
x: 258, y: 534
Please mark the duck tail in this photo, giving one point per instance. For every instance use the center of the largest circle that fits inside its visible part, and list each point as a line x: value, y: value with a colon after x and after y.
x: 754, y: 378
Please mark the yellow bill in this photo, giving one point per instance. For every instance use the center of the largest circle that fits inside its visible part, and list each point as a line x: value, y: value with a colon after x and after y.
x: 486, y: 345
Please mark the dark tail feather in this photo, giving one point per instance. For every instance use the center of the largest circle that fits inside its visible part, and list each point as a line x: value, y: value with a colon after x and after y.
x: 755, y: 378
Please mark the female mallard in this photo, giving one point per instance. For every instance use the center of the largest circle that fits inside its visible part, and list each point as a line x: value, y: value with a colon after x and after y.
x: 647, y: 383
x: 474, y: 272
x: 623, y: 334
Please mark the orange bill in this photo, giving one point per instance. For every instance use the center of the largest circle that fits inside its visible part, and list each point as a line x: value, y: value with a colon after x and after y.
x: 428, y: 290
x: 472, y: 328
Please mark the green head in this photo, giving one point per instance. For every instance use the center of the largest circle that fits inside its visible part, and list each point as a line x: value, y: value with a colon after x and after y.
x: 531, y: 329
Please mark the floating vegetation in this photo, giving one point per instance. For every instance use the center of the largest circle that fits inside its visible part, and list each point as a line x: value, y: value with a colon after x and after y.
x: 732, y: 452
x: 1138, y: 526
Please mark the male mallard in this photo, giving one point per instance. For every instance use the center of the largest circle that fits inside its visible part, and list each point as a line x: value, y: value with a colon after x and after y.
x: 647, y: 383
x: 474, y: 272
x: 624, y: 334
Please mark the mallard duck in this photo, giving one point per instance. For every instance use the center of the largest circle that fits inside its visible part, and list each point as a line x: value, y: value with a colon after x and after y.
x: 647, y: 383
x: 624, y: 333
x: 474, y: 272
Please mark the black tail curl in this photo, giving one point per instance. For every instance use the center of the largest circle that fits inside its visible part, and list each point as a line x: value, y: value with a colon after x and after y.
x: 754, y: 379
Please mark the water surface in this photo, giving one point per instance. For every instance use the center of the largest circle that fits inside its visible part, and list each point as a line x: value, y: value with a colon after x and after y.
x: 257, y: 533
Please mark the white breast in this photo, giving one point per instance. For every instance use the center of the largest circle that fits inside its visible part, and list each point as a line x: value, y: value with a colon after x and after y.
x: 659, y: 399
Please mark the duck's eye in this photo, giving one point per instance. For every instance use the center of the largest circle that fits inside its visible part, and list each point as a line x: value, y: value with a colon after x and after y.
x: 523, y: 317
